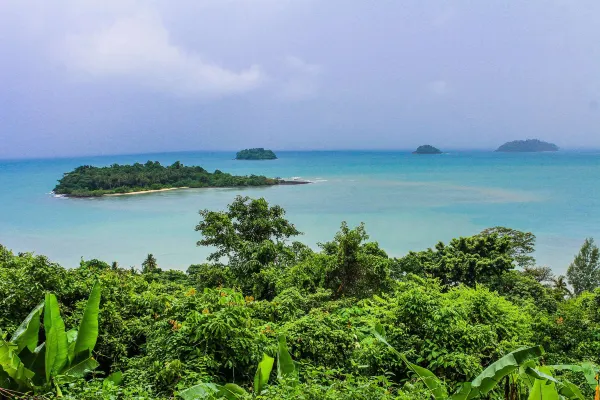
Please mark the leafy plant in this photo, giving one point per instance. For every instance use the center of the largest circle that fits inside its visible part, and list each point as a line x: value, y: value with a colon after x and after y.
x: 65, y: 356
x: 286, y: 370
x: 543, y: 386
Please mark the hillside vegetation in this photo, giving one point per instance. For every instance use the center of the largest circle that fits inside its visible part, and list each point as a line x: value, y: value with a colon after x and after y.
x: 266, y: 317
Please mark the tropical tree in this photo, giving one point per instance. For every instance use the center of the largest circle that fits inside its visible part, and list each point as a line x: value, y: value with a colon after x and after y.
x: 584, y: 272
x: 559, y: 285
x: 358, y: 269
x: 251, y: 234
x: 149, y: 265
x: 522, y: 244
x: 467, y: 260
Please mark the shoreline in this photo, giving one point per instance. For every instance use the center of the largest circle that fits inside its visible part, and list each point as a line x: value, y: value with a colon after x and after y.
x: 144, y: 191
x: 280, y: 183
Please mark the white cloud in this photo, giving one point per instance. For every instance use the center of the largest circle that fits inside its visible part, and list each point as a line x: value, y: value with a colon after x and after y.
x: 438, y: 88
x: 139, y: 49
x: 302, y: 81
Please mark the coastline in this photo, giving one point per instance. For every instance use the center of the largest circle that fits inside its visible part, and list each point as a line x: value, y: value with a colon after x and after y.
x: 146, y: 191
x: 279, y: 183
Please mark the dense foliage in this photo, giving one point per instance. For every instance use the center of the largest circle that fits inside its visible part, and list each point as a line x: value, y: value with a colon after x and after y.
x: 255, y: 154
x: 269, y: 318
x: 427, y: 149
x: 88, y: 181
x: 529, y: 145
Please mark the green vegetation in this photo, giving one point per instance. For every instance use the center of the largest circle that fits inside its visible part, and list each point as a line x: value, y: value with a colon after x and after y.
x: 427, y: 149
x: 529, y: 145
x: 584, y: 272
x: 255, y: 154
x: 88, y: 181
x: 267, y: 317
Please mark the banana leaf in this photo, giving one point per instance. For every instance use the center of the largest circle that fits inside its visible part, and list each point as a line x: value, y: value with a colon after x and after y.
x: 495, y: 372
x: 56, y: 338
x: 26, y: 334
x: 286, y: 367
x: 261, y: 378
x: 88, y: 328
x: 230, y: 391
x: 544, y: 380
x: 432, y: 382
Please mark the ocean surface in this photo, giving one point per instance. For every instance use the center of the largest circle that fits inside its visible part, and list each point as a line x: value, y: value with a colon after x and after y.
x: 407, y: 202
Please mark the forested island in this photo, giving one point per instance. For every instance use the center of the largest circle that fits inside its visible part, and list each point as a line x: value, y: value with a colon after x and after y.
x: 267, y: 317
x: 427, y: 149
x: 89, y: 181
x: 527, y: 146
x: 255, y: 154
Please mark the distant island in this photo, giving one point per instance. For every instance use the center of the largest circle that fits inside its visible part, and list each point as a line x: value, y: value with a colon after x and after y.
x: 255, y: 154
x: 529, y: 145
x: 89, y: 181
x: 427, y: 149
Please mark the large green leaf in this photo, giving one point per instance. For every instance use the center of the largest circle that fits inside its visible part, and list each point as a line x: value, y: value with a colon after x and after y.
x: 230, y: 391
x: 27, y: 333
x: 543, y: 388
x: 588, y: 370
x: 261, y: 378
x: 432, y: 382
x: 199, y: 391
x: 35, y: 361
x: 495, y: 372
x: 88, y: 328
x: 115, y: 378
x: 286, y: 367
x: 56, y: 338
x: 11, y: 364
x: 565, y: 389
x: 71, y: 339
x: 81, y: 368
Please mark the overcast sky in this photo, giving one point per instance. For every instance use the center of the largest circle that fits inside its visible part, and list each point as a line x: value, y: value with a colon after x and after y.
x: 125, y: 76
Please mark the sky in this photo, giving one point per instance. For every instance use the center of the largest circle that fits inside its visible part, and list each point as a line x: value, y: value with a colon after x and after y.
x: 126, y: 76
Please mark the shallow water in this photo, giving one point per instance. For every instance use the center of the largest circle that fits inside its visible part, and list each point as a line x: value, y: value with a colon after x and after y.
x: 408, y: 202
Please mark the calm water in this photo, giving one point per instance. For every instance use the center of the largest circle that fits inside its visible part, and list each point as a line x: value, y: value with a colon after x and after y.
x: 407, y: 202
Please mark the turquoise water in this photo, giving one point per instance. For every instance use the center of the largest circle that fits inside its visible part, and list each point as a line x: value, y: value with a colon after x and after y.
x: 407, y: 202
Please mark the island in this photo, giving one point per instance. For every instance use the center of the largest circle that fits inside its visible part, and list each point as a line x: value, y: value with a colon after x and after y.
x: 90, y: 181
x: 255, y: 154
x: 427, y: 149
x: 527, y: 146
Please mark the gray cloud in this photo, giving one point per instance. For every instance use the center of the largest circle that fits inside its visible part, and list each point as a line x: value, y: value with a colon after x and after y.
x: 138, y: 48
x: 114, y: 76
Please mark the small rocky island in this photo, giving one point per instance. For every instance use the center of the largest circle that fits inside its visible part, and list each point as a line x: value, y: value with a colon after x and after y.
x: 89, y: 181
x: 255, y: 154
x: 427, y: 149
x: 527, y: 146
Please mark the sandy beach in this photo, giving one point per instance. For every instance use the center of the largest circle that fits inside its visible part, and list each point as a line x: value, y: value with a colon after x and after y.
x: 146, y: 191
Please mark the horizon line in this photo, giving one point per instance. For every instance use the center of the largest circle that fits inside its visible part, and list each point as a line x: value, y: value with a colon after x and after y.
x: 374, y: 150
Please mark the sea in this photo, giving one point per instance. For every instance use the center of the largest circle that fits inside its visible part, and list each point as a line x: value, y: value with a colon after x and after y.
x: 407, y: 202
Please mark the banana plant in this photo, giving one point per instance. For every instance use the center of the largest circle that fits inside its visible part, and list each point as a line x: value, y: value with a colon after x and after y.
x: 522, y: 362
x: 26, y: 366
x: 286, y: 369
